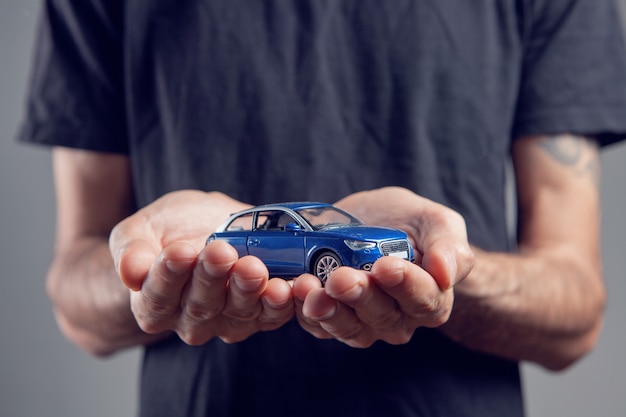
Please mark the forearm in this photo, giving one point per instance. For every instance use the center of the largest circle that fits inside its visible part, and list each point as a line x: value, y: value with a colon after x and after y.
x: 90, y: 303
x: 541, y: 307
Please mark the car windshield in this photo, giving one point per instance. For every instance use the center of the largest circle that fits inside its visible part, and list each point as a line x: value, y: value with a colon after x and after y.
x: 327, y: 217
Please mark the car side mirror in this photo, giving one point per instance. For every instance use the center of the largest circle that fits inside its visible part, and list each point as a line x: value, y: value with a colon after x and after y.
x: 292, y: 227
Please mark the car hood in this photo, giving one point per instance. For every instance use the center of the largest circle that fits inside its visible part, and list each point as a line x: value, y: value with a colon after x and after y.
x: 371, y: 233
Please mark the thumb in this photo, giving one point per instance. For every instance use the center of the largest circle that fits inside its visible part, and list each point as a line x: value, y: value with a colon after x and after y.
x: 448, y: 264
x: 133, y: 261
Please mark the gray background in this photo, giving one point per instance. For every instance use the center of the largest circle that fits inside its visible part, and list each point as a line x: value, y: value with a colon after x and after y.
x: 41, y: 374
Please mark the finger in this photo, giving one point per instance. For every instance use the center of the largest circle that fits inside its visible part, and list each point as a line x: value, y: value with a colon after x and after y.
x: 336, y: 319
x: 302, y: 286
x: 133, y: 262
x: 448, y: 262
x: 415, y: 291
x: 133, y: 248
x: 160, y: 296
x: 278, y: 307
x: 205, y: 296
x: 247, y: 281
x: 443, y: 243
x: 372, y: 306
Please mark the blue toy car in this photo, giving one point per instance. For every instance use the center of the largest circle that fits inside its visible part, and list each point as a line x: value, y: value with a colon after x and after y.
x: 317, y: 238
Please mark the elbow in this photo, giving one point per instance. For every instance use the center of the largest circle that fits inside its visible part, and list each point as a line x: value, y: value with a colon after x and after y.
x: 580, y: 343
x: 88, y: 341
x: 574, y: 350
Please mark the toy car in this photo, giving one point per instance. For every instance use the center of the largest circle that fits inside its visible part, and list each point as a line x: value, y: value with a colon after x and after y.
x: 317, y: 238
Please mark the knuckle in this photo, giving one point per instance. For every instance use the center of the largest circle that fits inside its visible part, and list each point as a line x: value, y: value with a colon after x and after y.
x: 431, y: 311
x: 387, y: 319
x: 240, y: 315
x: 434, y: 312
x: 150, y: 324
x: 361, y: 342
x: 156, y: 306
x: 235, y: 336
x: 271, y: 324
x: 399, y: 337
x: 193, y: 338
x: 152, y: 315
x: 196, y: 333
x: 185, y: 337
x: 200, y: 312
x: 344, y: 333
x: 424, y: 307
x: 440, y: 319
x: 313, y: 328
x: 230, y: 339
x: 275, y: 319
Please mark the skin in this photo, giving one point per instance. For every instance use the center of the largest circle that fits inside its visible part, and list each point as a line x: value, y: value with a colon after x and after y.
x: 177, y: 285
x: 395, y: 297
x: 543, y: 304
x: 546, y: 303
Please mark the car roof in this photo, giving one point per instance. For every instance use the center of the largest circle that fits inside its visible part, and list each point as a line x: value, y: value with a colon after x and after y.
x: 281, y: 206
x: 295, y: 205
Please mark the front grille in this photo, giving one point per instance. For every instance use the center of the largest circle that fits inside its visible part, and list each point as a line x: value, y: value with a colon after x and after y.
x: 395, y: 246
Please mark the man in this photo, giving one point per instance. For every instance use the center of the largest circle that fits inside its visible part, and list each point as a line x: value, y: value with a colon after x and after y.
x: 404, y: 113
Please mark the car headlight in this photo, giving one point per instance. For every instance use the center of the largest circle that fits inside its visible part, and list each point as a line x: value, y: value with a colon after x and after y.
x: 359, y: 244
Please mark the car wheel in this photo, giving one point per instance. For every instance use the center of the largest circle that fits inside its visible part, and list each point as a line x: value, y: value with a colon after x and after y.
x: 325, y: 264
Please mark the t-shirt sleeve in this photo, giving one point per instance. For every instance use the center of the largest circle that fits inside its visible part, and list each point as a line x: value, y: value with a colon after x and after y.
x: 76, y: 95
x: 574, y: 70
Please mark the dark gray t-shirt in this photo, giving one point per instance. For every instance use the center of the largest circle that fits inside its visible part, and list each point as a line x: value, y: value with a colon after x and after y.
x: 312, y: 100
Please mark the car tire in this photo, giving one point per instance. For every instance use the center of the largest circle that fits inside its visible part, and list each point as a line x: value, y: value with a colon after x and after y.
x: 325, y: 264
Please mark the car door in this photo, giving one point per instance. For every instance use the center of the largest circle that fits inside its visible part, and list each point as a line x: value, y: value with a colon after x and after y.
x: 237, y: 233
x: 282, y: 251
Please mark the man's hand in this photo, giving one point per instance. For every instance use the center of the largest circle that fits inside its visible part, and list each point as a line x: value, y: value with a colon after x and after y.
x: 179, y: 284
x: 395, y: 297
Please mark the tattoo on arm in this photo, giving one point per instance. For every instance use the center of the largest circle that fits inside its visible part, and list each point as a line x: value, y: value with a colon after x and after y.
x: 578, y: 153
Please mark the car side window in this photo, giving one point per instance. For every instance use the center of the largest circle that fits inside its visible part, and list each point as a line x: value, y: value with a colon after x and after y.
x: 273, y: 220
x: 284, y: 220
x: 263, y: 220
x: 241, y: 223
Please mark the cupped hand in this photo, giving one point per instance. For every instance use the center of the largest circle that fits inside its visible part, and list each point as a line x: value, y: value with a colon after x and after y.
x: 178, y: 284
x: 396, y: 297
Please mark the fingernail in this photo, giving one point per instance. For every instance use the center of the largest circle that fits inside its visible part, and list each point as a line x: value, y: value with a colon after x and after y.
x: 323, y: 315
x: 246, y: 284
x: 351, y: 294
x: 178, y: 266
x: 212, y: 269
x: 207, y: 267
x: 329, y: 314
